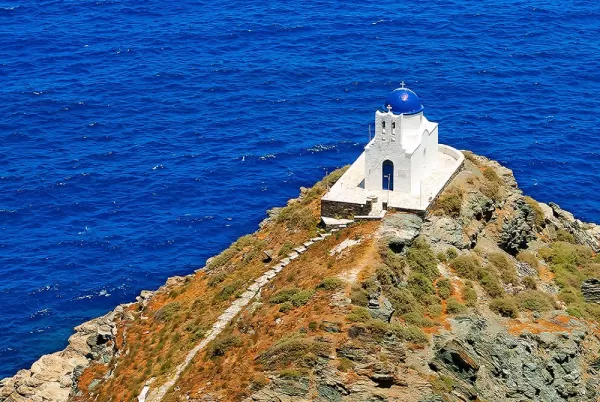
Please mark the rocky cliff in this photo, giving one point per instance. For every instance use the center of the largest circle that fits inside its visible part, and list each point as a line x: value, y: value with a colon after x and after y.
x: 492, y: 297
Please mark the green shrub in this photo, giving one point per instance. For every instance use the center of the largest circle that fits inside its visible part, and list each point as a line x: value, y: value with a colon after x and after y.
x: 490, y: 282
x: 491, y: 175
x: 216, y: 279
x: 505, y: 307
x: 380, y: 330
x: 297, y: 216
x: 420, y: 285
x: 565, y: 253
x: 359, y: 296
x: 466, y: 266
x: 444, y: 288
x: 563, y: 235
x: 492, y: 190
x: 469, y: 295
x: 417, y: 319
x: 385, y: 276
x: 302, y: 297
x: 429, y: 300
x: 413, y: 334
x: 570, y: 295
x: 284, y: 295
x: 443, y: 384
x: 167, y: 312
x: 538, y: 213
x: 394, y: 261
x: 313, y: 325
x: 576, y: 310
x: 435, y: 310
x: 533, y: 300
x: 505, y: 267
x: 345, y: 365
x: 529, y: 258
x: 370, y: 285
x: 593, y: 311
x: 220, y: 346
x: 402, y: 300
x: 333, y: 177
x: 227, y: 291
x: 285, y: 307
x: 359, y: 314
x: 529, y: 282
x: 453, y: 306
x: 227, y: 255
x: 331, y: 283
x: 287, y: 248
x: 451, y: 253
x: 294, y: 350
x: 421, y: 259
x: 450, y: 202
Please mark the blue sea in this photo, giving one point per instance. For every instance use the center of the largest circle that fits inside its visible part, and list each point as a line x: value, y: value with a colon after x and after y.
x: 139, y: 138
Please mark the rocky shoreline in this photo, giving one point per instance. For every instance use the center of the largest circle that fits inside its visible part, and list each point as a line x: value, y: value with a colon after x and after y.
x: 54, y: 376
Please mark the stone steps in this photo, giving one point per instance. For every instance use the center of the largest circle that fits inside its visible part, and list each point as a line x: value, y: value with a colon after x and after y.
x: 227, y: 317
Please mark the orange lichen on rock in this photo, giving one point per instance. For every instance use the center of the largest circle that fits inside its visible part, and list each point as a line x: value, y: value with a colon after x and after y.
x: 545, y: 274
x: 559, y: 323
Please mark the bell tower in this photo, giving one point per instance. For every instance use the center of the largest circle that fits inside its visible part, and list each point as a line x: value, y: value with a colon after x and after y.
x: 404, y: 148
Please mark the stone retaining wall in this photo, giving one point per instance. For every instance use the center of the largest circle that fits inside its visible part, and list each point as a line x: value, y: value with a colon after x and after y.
x: 347, y: 210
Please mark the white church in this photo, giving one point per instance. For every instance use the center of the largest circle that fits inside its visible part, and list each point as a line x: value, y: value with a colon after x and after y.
x: 402, y: 168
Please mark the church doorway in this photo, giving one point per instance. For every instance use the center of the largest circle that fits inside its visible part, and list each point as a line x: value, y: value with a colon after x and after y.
x: 388, y: 175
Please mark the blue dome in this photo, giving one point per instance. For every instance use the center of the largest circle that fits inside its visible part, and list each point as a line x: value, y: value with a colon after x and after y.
x: 403, y: 101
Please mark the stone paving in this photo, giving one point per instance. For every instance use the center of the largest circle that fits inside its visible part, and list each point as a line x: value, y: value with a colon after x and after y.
x: 157, y: 395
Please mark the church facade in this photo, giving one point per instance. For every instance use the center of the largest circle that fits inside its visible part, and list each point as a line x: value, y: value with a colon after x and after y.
x: 403, y: 167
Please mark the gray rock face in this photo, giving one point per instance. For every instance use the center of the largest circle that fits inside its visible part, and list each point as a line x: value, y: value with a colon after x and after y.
x: 591, y: 290
x: 497, y: 366
x: 478, y: 207
x: 400, y: 229
x: 53, y: 376
x: 445, y: 230
x: 380, y: 307
x: 584, y: 233
x: 518, y: 230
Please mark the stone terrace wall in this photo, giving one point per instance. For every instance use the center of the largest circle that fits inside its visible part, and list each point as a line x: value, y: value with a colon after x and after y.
x: 335, y: 209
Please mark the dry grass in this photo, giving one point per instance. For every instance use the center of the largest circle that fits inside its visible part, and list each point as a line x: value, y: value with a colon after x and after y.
x: 177, y: 319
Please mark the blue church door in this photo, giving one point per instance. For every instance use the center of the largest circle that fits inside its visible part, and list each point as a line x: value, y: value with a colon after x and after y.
x: 388, y: 175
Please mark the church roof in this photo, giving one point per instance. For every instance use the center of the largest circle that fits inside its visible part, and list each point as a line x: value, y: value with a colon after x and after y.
x: 403, y: 101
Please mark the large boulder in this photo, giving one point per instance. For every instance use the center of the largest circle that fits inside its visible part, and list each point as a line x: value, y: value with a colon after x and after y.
x: 446, y: 231
x: 400, y: 229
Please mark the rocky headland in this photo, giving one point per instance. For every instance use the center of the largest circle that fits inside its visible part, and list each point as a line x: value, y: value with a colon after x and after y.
x: 492, y: 297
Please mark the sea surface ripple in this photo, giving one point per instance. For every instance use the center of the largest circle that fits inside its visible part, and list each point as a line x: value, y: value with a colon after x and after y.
x: 140, y: 138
